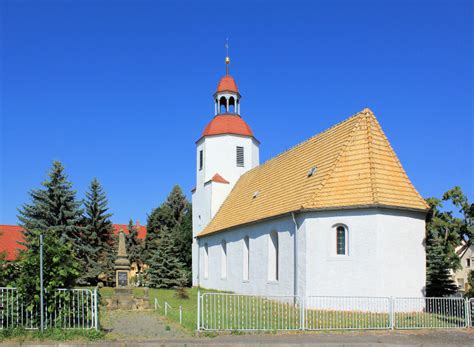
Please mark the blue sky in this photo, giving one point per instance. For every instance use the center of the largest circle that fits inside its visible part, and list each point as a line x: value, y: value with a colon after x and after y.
x: 121, y: 90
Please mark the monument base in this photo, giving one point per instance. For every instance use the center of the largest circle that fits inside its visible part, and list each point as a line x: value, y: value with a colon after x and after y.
x: 123, y: 300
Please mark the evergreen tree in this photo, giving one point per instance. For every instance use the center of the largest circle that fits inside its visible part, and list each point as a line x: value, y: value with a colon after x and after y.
x: 173, y: 219
x: 438, y: 276
x: 184, y: 239
x: 55, y: 213
x: 97, y: 245
x: 166, y: 271
x: 134, y: 246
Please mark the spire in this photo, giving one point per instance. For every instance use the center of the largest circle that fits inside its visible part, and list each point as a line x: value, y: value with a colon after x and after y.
x: 227, y: 59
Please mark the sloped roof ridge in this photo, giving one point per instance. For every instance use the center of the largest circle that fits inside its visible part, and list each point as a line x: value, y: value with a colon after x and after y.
x: 358, y: 114
x: 369, y: 118
x: 331, y: 171
x: 399, y: 164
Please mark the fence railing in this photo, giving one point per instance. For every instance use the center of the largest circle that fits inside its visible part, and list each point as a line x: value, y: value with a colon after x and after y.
x: 221, y: 311
x: 427, y: 313
x: 338, y: 313
x: 64, y: 308
x: 249, y: 312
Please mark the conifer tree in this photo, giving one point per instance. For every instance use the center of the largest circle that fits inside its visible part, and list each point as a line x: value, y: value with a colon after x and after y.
x: 134, y: 246
x: 97, y: 246
x: 438, y: 277
x: 166, y: 271
x: 55, y: 213
x: 173, y: 219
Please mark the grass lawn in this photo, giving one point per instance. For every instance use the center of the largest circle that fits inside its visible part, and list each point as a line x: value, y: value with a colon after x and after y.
x: 189, y: 305
x: 246, y: 313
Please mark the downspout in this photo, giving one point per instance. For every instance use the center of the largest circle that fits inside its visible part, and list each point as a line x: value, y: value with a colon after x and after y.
x: 295, y: 257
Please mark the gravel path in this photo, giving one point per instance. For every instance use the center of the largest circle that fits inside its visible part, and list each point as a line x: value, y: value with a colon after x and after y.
x: 140, y: 324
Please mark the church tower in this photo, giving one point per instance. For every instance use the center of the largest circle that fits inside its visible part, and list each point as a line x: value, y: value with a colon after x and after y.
x: 225, y: 150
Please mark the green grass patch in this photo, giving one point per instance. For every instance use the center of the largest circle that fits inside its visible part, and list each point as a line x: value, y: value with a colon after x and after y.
x: 19, y: 335
x: 189, y: 304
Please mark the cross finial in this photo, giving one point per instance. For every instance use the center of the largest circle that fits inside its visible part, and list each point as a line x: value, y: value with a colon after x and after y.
x: 227, y: 59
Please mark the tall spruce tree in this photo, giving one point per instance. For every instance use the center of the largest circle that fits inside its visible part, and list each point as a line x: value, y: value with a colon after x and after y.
x: 97, y: 249
x: 134, y: 246
x: 439, y: 281
x: 55, y: 213
x: 166, y: 270
x: 172, y: 220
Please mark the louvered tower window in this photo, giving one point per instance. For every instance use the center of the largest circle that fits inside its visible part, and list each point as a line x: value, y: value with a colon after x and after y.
x: 240, y: 156
x: 201, y: 159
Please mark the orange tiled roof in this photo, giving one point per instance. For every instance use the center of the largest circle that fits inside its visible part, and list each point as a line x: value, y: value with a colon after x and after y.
x: 219, y: 179
x: 227, y: 84
x: 355, y: 167
x: 10, y: 235
x: 227, y: 124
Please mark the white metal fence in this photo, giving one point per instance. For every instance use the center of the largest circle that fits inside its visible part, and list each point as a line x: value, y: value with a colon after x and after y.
x: 64, y: 308
x: 221, y: 311
x: 427, y: 313
x: 338, y: 313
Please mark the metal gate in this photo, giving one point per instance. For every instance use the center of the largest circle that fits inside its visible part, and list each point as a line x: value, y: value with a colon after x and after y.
x: 64, y: 308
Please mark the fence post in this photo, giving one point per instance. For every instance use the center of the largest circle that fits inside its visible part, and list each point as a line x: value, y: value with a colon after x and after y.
x: 166, y: 308
x: 302, y: 314
x: 198, y: 310
x: 180, y: 314
x: 392, y: 314
x: 96, y: 309
x: 467, y: 312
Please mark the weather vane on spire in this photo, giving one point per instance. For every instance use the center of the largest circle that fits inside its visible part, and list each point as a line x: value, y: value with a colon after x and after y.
x: 227, y: 59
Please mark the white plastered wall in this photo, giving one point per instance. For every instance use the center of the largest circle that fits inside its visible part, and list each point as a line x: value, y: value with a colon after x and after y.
x: 386, y: 253
x: 259, y: 236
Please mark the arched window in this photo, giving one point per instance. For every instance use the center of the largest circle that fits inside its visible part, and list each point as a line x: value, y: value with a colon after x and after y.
x: 223, y: 259
x: 246, y: 259
x: 206, y: 261
x: 273, y: 263
x: 223, y: 105
x: 341, y: 240
x: 232, y: 108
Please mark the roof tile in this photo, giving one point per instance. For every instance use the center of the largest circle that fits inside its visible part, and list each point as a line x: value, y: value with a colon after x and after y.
x: 356, y: 166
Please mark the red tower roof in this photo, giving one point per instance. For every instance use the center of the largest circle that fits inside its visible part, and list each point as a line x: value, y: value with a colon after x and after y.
x: 227, y: 124
x: 227, y: 84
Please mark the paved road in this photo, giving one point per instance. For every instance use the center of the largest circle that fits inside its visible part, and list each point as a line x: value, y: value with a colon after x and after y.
x: 397, y: 338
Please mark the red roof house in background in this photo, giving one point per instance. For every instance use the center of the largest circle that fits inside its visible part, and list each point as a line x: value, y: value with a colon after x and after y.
x: 10, y: 235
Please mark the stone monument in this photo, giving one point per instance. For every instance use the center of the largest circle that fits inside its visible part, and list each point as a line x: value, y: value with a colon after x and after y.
x: 123, y: 297
x: 122, y: 264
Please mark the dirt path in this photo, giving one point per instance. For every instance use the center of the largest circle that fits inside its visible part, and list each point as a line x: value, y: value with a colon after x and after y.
x: 140, y: 324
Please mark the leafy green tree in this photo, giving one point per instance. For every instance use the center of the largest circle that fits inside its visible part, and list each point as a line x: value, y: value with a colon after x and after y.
x: 166, y: 271
x: 470, y: 282
x: 9, y: 270
x: 96, y: 251
x: 444, y: 234
x: 55, y: 213
x: 134, y: 246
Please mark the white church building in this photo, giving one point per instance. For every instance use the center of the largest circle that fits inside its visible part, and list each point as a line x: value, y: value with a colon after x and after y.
x: 336, y: 215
